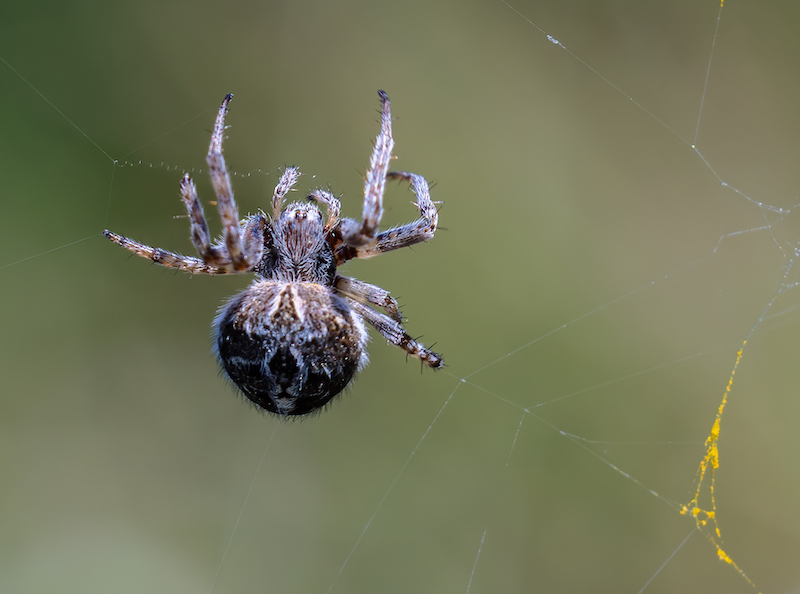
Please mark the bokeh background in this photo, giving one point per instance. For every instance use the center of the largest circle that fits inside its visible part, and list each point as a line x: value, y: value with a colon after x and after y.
x: 575, y: 275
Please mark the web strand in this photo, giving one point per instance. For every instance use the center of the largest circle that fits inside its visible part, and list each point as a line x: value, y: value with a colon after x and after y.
x: 534, y: 407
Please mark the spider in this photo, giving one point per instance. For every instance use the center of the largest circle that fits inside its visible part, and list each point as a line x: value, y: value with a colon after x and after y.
x: 295, y: 337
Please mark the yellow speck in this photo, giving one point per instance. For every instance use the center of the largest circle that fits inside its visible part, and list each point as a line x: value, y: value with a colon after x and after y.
x: 706, y: 475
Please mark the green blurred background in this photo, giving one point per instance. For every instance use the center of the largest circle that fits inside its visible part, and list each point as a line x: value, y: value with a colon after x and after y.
x: 125, y: 460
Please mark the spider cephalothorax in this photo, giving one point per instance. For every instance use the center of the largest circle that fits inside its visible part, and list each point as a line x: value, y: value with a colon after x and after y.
x: 296, y: 336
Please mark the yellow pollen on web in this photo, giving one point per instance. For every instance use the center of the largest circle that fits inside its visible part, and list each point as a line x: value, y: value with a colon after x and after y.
x: 703, y: 517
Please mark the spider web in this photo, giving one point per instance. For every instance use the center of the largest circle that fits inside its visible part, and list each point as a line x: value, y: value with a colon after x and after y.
x: 614, y: 290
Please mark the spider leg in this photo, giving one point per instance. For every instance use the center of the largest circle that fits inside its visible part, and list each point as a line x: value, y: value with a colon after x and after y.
x: 221, y: 181
x: 216, y: 254
x: 402, y: 236
x: 201, y: 238
x: 366, y: 293
x: 165, y: 258
x: 393, y: 331
x: 374, y: 182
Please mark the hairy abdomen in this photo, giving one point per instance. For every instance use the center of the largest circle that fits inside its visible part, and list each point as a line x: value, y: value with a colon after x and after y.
x: 289, y: 347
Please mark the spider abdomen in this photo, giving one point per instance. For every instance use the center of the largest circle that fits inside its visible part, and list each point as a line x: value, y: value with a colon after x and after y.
x: 289, y: 346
